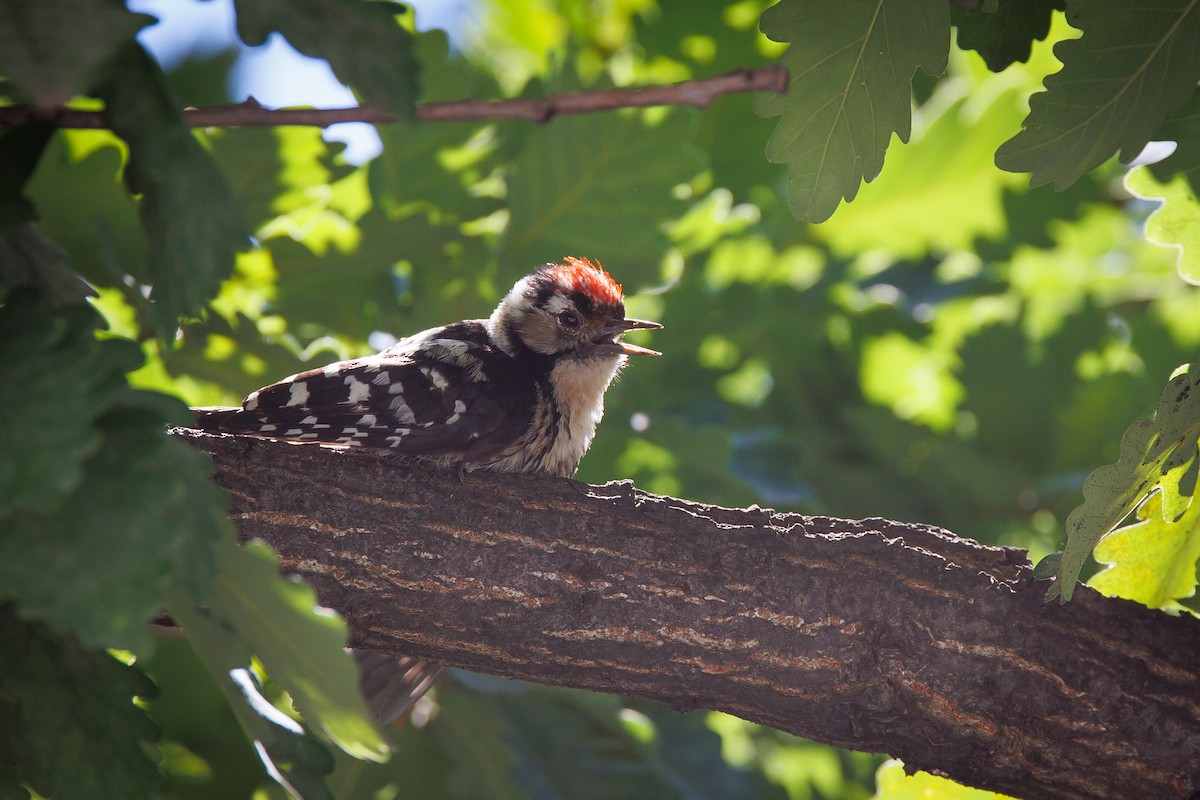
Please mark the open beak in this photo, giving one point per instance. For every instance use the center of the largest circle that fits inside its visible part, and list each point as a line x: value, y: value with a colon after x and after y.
x: 635, y: 325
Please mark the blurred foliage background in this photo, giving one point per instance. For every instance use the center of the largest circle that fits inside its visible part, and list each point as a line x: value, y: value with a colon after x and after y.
x: 952, y: 347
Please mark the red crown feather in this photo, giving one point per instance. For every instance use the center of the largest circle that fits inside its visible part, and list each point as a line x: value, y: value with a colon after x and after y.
x: 591, y: 279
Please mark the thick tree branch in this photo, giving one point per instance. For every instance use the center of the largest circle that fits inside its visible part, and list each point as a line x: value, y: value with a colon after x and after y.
x: 700, y: 93
x: 869, y: 634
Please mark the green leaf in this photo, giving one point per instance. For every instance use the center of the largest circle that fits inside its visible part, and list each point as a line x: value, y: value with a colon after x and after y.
x: 299, y: 643
x: 361, y: 39
x: 187, y: 208
x: 851, y: 65
x: 84, y: 208
x: 1155, y: 455
x: 70, y: 716
x: 27, y: 258
x: 1133, y: 65
x: 1176, y: 223
x: 20, y: 150
x: 1005, y: 35
x: 1153, y: 560
x: 474, y: 734
x: 88, y: 477
x: 940, y: 193
x: 1183, y: 128
x: 892, y: 783
x: 292, y: 757
x: 50, y: 49
x: 1048, y: 567
x: 550, y: 742
x: 599, y: 185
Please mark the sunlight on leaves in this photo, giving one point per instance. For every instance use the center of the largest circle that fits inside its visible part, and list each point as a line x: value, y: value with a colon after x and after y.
x: 292, y: 757
x: 916, y: 205
x: 299, y: 642
x: 1176, y: 223
x: 1006, y: 35
x: 892, y: 783
x: 1156, y: 454
x: 915, y: 381
x: 1153, y: 560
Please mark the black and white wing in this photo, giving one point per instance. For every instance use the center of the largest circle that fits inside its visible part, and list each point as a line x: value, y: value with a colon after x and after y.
x: 446, y: 392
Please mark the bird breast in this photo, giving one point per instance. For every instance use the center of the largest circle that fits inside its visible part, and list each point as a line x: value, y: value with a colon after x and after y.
x: 579, y: 387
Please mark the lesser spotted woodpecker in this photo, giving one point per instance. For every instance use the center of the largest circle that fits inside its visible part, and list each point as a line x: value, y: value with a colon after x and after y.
x: 521, y: 391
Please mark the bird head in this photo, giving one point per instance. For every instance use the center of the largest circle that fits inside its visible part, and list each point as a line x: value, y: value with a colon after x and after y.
x: 570, y: 309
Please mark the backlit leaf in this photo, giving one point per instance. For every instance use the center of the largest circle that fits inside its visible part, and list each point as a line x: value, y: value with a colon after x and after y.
x: 892, y: 783
x: 292, y: 757
x: 1155, y: 454
x: 1153, y: 560
x: 599, y: 185
x: 1176, y: 223
x: 299, y: 643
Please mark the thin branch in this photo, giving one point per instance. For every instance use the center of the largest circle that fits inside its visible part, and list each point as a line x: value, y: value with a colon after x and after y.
x: 869, y: 634
x: 699, y: 93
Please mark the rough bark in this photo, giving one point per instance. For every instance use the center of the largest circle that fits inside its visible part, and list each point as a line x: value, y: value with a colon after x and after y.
x: 869, y: 634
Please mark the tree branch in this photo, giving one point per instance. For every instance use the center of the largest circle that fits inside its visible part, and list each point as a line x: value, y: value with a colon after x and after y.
x: 868, y: 634
x: 699, y: 93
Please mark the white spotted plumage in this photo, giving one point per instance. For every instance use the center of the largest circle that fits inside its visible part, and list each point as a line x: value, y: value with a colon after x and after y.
x: 521, y: 391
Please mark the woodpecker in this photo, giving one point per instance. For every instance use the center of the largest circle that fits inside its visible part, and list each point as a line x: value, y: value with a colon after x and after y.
x: 520, y: 391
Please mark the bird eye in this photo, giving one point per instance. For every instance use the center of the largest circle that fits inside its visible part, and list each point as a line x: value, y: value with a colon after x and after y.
x: 569, y: 319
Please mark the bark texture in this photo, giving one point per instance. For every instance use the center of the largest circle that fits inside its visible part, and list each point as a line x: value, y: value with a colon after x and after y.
x: 869, y: 634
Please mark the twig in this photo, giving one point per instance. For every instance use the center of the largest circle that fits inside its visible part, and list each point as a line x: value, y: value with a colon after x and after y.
x: 699, y: 93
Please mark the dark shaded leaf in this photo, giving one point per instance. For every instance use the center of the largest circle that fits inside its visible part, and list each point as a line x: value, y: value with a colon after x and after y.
x: 1006, y: 35
x: 70, y: 716
x: 851, y: 65
x: 88, y: 477
x: 361, y: 40
x: 187, y: 208
x: 50, y: 49
x: 1132, y: 67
